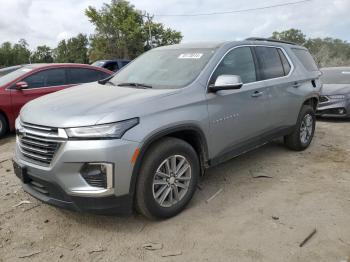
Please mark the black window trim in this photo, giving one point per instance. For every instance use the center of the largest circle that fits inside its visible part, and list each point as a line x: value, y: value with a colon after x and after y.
x: 256, y: 69
x: 13, y: 86
x: 280, y: 56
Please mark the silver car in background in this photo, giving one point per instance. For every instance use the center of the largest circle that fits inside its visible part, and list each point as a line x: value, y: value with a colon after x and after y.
x: 335, y: 93
x: 142, y: 138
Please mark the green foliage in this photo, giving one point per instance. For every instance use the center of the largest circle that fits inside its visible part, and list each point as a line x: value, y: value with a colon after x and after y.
x: 160, y: 35
x: 14, y: 54
x: 327, y: 51
x: 73, y: 50
x: 42, y: 54
x: 120, y: 32
x: 291, y: 35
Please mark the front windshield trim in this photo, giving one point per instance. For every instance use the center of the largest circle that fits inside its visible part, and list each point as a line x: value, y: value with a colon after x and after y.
x: 210, y: 54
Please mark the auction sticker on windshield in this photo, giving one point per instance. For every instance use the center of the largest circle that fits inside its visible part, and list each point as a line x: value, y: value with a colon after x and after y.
x: 190, y: 56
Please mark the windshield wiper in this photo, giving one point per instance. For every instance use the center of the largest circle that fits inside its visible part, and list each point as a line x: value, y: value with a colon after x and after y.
x: 135, y: 85
x: 109, y: 82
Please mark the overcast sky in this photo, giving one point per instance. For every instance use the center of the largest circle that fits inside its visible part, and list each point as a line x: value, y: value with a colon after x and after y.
x: 48, y: 21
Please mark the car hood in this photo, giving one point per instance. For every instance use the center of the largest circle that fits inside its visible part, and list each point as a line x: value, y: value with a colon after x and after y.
x: 335, y: 89
x: 88, y: 104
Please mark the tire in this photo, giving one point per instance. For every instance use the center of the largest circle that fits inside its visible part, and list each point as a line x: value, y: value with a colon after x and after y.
x: 156, y: 176
x: 3, y: 126
x: 304, y: 130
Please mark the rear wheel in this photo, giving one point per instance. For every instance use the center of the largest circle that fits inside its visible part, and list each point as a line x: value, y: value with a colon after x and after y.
x: 168, y: 178
x: 304, y: 130
x: 3, y: 126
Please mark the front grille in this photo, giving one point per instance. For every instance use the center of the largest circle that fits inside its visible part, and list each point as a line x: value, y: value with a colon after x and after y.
x: 323, y: 99
x: 38, y: 144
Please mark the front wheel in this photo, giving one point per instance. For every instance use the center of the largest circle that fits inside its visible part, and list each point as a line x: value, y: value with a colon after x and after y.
x: 168, y: 178
x: 304, y: 130
x: 3, y: 126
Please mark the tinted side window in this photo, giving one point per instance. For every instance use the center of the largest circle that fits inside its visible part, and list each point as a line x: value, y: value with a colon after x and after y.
x: 84, y: 75
x: 306, y: 59
x: 240, y: 62
x: 269, y: 62
x: 285, y: 63
x: 47, y: 78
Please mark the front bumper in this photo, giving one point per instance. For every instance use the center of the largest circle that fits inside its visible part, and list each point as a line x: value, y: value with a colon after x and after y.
x: 334, y: 108
x: 61, y: 184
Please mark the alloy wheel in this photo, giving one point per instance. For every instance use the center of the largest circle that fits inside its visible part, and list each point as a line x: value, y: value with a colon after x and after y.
x: 171, y: 180
x: 306, y: 129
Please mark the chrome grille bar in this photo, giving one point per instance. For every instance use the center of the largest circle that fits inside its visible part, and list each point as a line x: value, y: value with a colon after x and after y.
x: 39, y: 144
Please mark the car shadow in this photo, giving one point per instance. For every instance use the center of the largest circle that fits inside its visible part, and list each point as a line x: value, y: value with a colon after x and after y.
x: 333, y: 120
x: 236, y: 171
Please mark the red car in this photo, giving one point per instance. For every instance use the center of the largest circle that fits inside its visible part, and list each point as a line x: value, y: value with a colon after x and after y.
x: 35, y: 80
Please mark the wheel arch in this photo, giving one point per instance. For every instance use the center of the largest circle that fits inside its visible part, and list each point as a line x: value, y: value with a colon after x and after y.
x: 6, y: 118
x: 312, y: 101
x: 189, y: 133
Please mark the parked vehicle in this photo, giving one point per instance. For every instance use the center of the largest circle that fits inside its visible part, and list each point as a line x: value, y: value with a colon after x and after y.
x: 6, y: 70
x: 142, y: 138
x: 335, y: 94
x: 112, y: 65
x: 35, y: 80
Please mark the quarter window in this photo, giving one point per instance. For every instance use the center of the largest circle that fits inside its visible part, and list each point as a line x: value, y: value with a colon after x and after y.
x: 240, y: 62
x: 306, y: 59
x: 269, y: 62
x: 46, y: 78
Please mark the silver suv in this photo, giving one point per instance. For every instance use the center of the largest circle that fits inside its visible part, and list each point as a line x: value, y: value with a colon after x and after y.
x: 142, y: 138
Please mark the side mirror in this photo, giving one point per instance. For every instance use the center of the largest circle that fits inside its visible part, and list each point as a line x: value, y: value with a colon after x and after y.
x: 21, y: 85
x: 226, y: 82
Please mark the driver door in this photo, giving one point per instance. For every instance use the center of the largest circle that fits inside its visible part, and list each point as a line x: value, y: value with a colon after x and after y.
x: 39, y: 84
x: 238, y: 117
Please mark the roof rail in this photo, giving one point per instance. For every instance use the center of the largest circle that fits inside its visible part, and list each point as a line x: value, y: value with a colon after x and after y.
x: 269, y: 40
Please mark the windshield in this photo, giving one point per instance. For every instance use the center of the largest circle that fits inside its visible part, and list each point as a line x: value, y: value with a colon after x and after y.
x: 336, y: 76
x: 99, y: 63
x: 6, y: 70
x: 165, y: 68
x: 13, y: 75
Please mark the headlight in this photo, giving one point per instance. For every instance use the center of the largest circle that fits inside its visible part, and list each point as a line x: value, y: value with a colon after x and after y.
x: 337, y: 97
x: 112, y: 130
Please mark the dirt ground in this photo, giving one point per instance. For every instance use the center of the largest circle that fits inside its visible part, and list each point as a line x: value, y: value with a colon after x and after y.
x: 251, y: 219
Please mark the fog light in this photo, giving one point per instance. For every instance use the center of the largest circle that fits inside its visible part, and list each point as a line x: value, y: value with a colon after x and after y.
x: 341, y: 111
x: 98, y: 174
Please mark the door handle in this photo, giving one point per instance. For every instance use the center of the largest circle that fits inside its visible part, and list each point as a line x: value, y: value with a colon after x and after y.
x: 296, y: 85
x: 257, y: 94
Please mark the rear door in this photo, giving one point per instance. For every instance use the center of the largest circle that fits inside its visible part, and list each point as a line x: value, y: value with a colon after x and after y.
x: 237, y: 117
x: 84, y: 75
x: 39, y: 84
x: 275, y: 71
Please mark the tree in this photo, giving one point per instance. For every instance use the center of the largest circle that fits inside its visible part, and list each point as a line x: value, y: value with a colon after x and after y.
x: 327, y: 51
x: 120, y: 31
x: 14, y: 54
x: 42, y: 54
x: 21, y: 53
x: 291, y: 35
x: 160, y: 35
x: 73, y: 50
